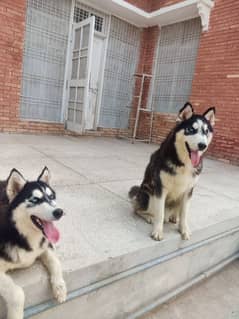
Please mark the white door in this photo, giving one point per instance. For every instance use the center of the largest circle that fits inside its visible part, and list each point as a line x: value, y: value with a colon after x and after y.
x: 81, y: 59
x: 95, y: 85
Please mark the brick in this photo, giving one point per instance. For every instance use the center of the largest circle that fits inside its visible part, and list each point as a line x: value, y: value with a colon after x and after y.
x: 217, y: 58
x: 215, y: 80
x: 152, y: 5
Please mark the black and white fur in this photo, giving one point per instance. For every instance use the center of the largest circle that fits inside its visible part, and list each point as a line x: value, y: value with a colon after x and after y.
x: 173, y: 171
x: 23, y: 208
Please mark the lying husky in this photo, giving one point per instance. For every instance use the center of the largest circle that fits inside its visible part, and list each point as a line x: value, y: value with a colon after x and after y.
x: 27, y: 232
x: 173, y: 171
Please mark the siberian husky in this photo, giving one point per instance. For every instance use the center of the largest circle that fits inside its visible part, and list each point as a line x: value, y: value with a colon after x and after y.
x: 173, y: 171
x: 27, y: 232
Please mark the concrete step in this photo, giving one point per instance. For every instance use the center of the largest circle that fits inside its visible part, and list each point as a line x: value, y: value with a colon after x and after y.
x: 130, y: 285
x: 216, y: 297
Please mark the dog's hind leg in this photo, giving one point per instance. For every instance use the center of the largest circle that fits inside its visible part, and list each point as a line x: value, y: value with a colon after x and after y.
x: 171, y: 215
x: 174, y: 218
x: 145, y: 215
x: 13, y: 296
x: 157, y: 207
x: 53, y: 265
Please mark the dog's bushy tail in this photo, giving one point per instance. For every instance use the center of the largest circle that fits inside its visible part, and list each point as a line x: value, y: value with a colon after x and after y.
x: 133, y: 191
x: 139, y: 198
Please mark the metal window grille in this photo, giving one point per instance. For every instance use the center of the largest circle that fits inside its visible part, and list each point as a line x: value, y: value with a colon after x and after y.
x: 98, y: 23
x: 46, y: 35
x: 121, y: 60
x: 82, y: 12
x: 174, y: 65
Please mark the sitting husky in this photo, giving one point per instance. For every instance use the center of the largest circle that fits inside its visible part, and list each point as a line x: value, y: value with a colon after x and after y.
x: 173, y: 171
x: 27, y: 232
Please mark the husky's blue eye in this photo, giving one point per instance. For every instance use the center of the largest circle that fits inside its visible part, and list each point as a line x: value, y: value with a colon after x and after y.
x: 190, y: 130
x: 35, y: 200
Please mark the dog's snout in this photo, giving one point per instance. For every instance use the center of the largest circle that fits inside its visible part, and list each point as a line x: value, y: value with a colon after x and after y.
x: 57, y: 213
x: 201, y: 146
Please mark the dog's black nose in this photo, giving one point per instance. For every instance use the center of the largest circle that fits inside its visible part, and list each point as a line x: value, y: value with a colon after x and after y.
x: 201, y: 146
x: 57, y: 213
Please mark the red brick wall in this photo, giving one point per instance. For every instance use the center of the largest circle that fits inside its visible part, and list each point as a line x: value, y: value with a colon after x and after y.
x: 142, y: 4
x: 148, y: 44
x: 12, y: 19
x: 157, y: 4
x: 162, y: 123
x: 214, y: 84
x: 216, y: 80
x: 152, y: 5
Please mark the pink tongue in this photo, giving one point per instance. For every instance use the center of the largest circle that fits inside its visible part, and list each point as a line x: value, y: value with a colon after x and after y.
x: 195, y: 158
x: 51, y: 232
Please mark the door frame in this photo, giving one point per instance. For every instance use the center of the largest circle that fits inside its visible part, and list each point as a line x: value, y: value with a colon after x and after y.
x: 101, y: 77
x: 73, y: 125
x: 65, y: 93
x: 101, y: 80
x: 65, y: 96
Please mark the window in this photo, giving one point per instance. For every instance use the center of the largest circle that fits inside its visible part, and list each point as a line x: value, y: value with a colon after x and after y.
x: 81, y: 14
x: 98, y: 23
x: 174, y: 65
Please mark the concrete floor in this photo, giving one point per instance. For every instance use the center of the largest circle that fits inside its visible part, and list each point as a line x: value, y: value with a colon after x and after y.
x: 92, y: 177
x: 217, y: 297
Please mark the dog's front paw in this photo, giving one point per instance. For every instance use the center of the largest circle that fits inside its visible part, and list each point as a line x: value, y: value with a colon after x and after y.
x: 157, y: 235
x: 59, y: 290
x: 185, y: 235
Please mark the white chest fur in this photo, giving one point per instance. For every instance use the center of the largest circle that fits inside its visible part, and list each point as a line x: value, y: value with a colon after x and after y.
x: 176, y: 185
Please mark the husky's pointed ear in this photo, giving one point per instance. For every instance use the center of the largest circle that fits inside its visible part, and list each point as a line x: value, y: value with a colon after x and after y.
x: 185, y: 113
x: 210, y: 115
x: 15, y: 184
x: 45, y: 176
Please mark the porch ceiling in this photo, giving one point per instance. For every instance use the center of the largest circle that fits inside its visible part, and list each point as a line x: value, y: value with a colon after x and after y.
x: 182, y: 11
